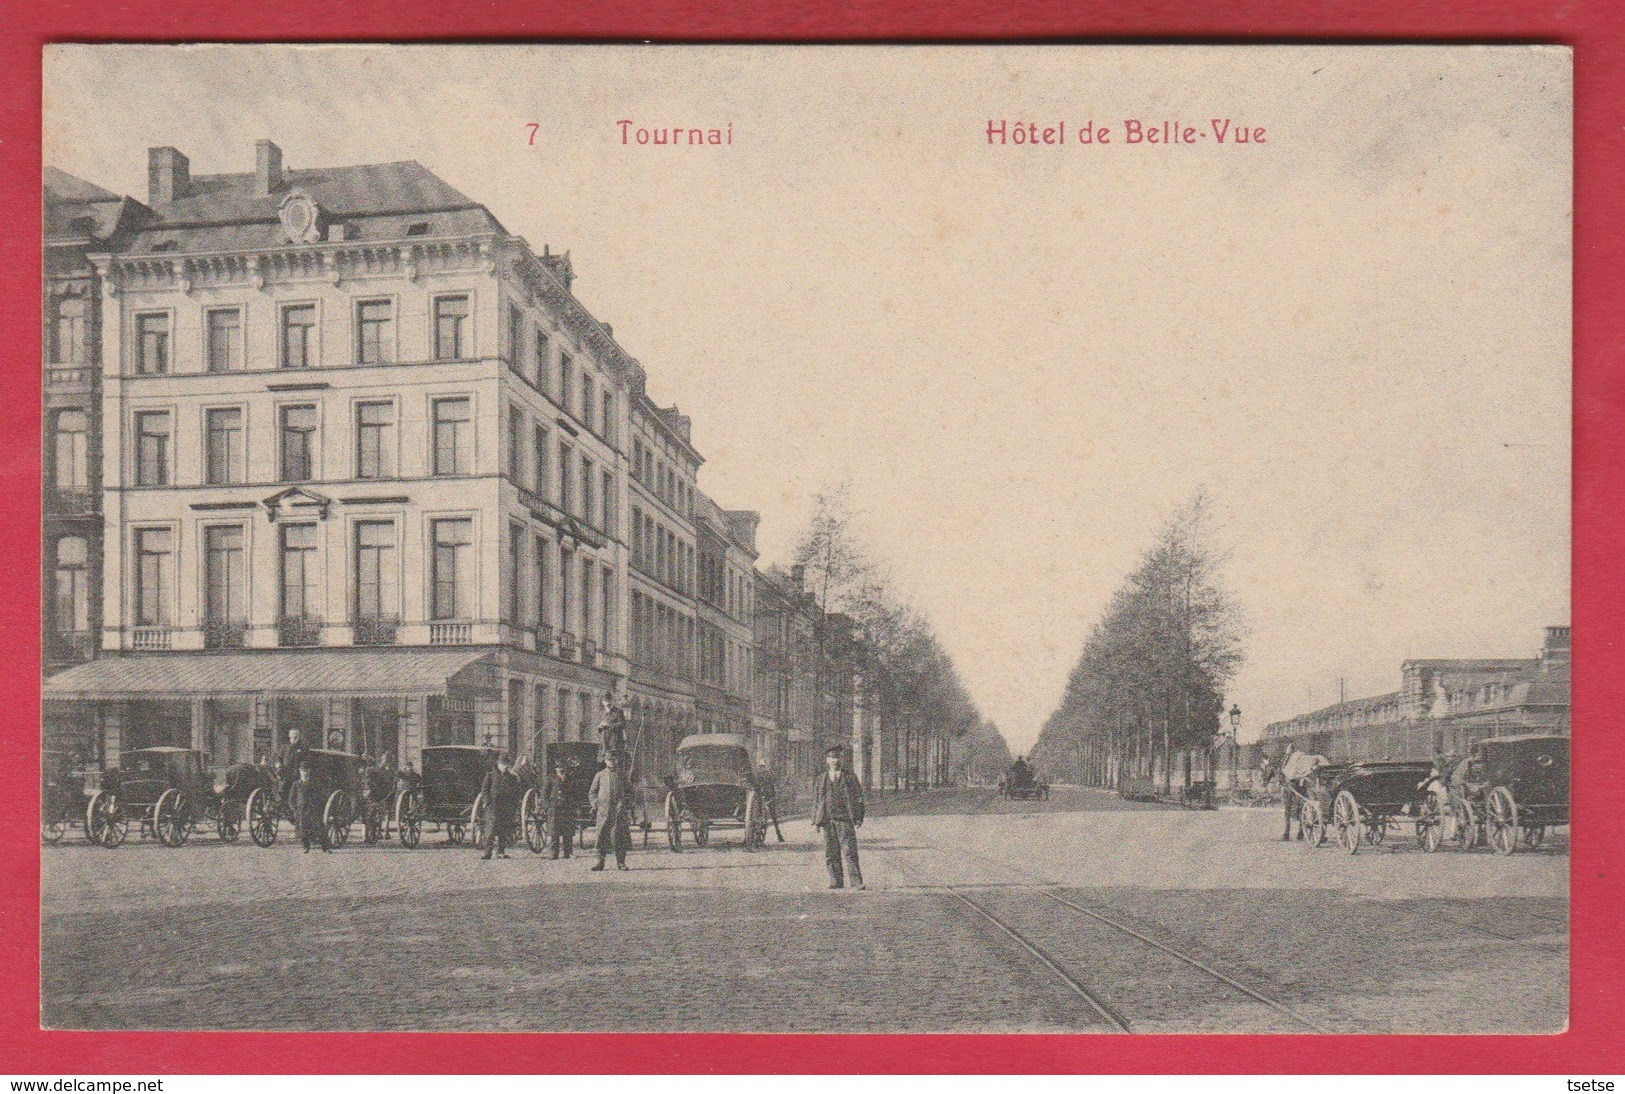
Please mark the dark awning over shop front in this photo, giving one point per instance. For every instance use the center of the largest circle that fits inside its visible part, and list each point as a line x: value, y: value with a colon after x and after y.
x: 272, y: 672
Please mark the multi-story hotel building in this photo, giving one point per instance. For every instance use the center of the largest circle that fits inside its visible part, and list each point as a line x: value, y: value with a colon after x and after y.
x: 363, y: 469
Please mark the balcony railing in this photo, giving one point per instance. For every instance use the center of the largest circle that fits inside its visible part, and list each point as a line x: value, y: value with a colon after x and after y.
x: 58, y: 377
x: 72, y: 646
x: 544, y: 639
x: 298, y: 630
x: 451, y: 634
x: 150, y: 638
x: 72, y: 503
x: 567, y: 646
x: 224, y: 634
x: 377, y: 631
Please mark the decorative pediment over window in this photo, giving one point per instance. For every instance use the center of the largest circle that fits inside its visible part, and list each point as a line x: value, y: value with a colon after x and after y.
x: 295, y: 502
x: 301, y: 217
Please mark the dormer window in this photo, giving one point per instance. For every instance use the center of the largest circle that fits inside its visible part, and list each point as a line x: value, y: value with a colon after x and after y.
x: 421, y: 228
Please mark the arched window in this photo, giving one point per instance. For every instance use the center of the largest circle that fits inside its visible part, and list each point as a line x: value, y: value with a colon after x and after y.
x: 72, y: 586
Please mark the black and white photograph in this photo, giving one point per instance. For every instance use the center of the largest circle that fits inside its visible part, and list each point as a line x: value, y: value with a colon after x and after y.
x: 838, y: 539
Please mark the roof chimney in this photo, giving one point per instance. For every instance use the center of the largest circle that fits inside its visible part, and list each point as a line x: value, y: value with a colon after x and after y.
x: 267, y: 168
x: 168, y: 175
x: 1558, y: 648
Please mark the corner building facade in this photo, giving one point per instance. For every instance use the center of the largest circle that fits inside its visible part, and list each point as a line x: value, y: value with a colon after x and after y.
x: 363, y: 471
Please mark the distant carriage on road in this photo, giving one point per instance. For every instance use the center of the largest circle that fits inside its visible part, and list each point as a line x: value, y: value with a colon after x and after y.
x: 1021, y: 783
x: 574, y: 814
x: 714, y: 786
x: 1358, y: 802
x: 164, y: 791
x: 1522, y: 784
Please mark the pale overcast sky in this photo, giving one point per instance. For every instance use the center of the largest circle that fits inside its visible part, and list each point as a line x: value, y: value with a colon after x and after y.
x: 1356, y: 334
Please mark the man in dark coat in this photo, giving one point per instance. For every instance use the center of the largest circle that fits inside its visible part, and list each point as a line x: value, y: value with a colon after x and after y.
x: 289, y: 759
x: 838, y: 811
x: 561, y: 822
x: 309, y: 800
x: 502, y: 792
x: 611, y: 797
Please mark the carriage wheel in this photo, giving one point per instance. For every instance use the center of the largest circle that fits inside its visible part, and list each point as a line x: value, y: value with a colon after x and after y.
x: 105, y: 822
x: 751, y: 821
x: 1313, y: 823
x: 95, y: 818
x: 338, y: 815
x: 701, y: 829
x: 261, y: 816
x: 535, y: 815
x: 1430, y: 825
x: 1501, y: 819
x: 1346, y: 819
x: 407, y: 823
x: 1534, y: 835
x: 674, y: 823
x: 53, y: 830
x: 169, y: 818
x: 1376, y: 831
x: 1465, y: 819
x: 479, y: 825
x: 227, y: 824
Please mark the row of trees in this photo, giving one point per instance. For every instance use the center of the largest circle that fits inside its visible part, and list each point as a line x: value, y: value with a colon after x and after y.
x: 912, y: 692
x: 1148, y: 688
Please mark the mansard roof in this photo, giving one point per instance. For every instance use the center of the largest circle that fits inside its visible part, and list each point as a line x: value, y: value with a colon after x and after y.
x: 368, y: 189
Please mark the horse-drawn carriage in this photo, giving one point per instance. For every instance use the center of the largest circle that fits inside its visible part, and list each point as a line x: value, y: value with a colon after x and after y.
x: 62, y: 795
x: 1021, y: 783
x: 715, y: 786
x: 164, y: 791
x: 1360, y: 801
x: 573, y: 813
x: 261, y: 796
x: 1522, y: 784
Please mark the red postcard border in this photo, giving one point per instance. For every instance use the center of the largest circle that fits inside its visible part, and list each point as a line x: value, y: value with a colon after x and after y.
x: 1596, y: 31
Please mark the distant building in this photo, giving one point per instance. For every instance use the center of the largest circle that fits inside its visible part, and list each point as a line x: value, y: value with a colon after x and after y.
x: 1442, y: 706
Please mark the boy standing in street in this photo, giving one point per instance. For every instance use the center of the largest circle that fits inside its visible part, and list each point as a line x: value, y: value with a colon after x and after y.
x: 838, y: 811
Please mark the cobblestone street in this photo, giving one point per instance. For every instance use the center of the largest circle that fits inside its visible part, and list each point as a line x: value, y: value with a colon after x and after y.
x: 1083, y: 913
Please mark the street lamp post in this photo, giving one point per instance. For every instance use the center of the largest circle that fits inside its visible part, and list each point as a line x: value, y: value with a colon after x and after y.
x: 1235, y: 744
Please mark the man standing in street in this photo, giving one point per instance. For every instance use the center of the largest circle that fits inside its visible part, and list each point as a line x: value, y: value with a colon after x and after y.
x: 561, y: 825
x: 289, y: 761
x: 1295, y: 772
x: 611, y: 798
x: 838, y: 810
x: 309, y: 799
x: 501, y: 792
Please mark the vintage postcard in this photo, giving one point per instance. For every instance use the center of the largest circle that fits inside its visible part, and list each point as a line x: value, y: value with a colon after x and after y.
x: 831, y: 539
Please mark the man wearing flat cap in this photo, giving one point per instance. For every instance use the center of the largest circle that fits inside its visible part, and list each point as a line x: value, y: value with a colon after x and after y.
x: 838, y: 811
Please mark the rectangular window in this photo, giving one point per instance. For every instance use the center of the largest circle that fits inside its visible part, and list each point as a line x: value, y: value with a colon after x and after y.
x: 516, y: 340
x: 566, y: 577
x: 453, y: 577
x: 375, y: 573
x: 450, y: 328
x: 299, y: 596
x: 299, y: 336
x: 541, y: 582
x: 223, y: 455
x: 516, y: 445
x: 516, y: 574
x: 606, y: 616
x: 453, y: 437
x: 539, y: 446
x: 154, y: 576
x: 543, y: 360
x: 588, y: 606
x: 71, y: 347
x: 152, y: 448
x: 72, y: 614
x: 566, y: 383
x: 609, y: 503
x: 608, y: 431
x: 375, y: 440
x: 152, y: 344
x: 224, y: 598
x: 72, y: 451
x: 225, y: 327
x: 566, y: 476
x: 588, y: 480
x: 297, y: 443
x: 375, y: 332
x: 586, y: 398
